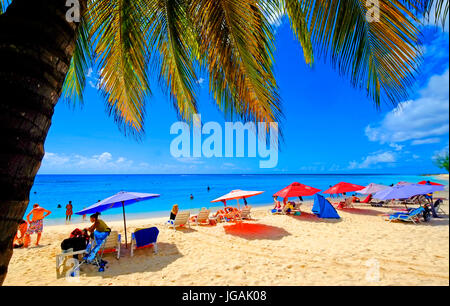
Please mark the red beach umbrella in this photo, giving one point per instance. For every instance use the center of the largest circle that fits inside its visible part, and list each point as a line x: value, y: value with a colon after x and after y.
x: 296, y: 190
x: 431, y: 183
x: 343, y: 187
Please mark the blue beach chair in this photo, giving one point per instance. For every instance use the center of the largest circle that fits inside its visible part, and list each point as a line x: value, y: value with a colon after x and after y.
x: 411, y: 216
x: 143, y: 238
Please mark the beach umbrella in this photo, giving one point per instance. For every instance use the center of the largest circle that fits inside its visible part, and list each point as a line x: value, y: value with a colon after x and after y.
x: 120, y: 199
x: 406, y: 191
x: 343, y: 187
x: 236, y: 195
x: 372, y: 188
x: 431, y: 183
x: 296, y: 190
x: 403, y: 183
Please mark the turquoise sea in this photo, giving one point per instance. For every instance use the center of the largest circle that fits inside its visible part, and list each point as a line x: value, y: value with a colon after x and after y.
x: 85, y: 190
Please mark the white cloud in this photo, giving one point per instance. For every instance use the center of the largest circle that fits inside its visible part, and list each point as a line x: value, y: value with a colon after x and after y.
x: 417, y: 119
x: 425, y: 141
x: 374, y: 159
x: 103, y: 161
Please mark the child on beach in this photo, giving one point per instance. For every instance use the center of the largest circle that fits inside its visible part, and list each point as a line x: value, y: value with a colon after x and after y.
x: 37, y: 222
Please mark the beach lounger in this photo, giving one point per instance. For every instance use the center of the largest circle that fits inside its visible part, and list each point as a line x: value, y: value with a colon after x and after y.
x: 143, y: 238
x: 112, y: 243
x: 181, y: 219
x: 411, y: 216
x: 348, y: 203
x: 245, y: 212
x: 367, y: 200
x: 202, y: 217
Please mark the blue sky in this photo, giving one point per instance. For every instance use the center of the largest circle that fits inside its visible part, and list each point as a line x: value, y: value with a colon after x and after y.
x: 329, y: 127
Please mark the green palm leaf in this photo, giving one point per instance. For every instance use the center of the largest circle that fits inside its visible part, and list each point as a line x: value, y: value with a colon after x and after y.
x: 174, y: 43
x: 380, y: 56
x: 237, y: 49
x: 118, y: 28
x: 82, y: 61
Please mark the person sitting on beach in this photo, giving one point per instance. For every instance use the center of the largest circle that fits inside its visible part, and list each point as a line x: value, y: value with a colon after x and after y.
x: 97, y: 225
x: 173, y: 212
x: 19, y: 241
x: 99, y: 231
x: 37, y: 222
x: 69, y: 211
x: 355, y: 199
x: 277, y: 206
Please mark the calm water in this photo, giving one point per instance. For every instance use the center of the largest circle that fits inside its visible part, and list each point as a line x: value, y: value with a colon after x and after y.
x: 84, y: 190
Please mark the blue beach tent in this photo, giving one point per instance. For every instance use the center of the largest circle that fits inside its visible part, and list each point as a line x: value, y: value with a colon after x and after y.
x: 323, y: 209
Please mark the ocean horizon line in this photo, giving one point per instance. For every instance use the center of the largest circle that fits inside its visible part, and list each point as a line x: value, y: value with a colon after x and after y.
x: 224, y: 174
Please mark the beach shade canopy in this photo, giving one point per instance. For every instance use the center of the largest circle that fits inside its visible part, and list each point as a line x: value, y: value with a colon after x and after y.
x: 296, y: 190
x: 403, y: 183
x: 430, y: 183
x: 372, y: 188
x: 236, y: 195
x: 406, y: 191
x: 120, y: 199
x: 343, y: 187
x: 323, y: 208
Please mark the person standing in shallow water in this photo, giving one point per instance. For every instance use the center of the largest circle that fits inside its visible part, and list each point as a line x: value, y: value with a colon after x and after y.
x: 69, y: 211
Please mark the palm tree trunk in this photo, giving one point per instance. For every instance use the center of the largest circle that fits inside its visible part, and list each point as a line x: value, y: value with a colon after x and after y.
x: 36, y: 46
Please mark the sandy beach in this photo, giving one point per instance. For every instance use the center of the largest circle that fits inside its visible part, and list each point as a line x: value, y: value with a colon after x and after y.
x: 269, y: 250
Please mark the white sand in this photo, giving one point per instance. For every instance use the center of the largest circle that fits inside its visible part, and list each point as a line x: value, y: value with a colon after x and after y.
x: 271, y: 250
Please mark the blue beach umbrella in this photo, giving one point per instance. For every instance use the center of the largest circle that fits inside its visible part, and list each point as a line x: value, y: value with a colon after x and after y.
x: 405, y: 191
x: 120, y: 199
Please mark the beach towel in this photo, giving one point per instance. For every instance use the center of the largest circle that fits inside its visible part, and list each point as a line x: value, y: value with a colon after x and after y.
x: 146, y: 236
x: 323, y: 208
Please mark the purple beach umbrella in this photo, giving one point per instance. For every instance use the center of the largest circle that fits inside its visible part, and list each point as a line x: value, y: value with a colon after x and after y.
x: 120, y: 199
x: 405, y: 191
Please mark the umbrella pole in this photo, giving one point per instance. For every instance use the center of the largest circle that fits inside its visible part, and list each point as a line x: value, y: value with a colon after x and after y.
x: 124, y: 224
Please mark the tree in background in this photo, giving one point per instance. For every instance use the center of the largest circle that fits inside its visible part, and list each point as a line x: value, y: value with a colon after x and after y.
x: 441, y: 160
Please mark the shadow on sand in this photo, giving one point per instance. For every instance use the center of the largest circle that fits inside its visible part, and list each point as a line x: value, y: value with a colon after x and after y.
x: 255, y: 231
x: 144, y: 260
x: 310, y: 217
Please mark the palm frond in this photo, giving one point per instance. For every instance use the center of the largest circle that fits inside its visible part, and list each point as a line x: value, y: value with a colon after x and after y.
x: 299, y: 26
x: 237, y: 45
x: 118, y: 31
x: 82, y: 61
x: 381, y: 55
x: 173, y: 39
x: 440, y: 8
x: 3, y: 5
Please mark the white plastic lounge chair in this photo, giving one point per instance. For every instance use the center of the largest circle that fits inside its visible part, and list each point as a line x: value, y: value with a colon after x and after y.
x: 112, y: 244
x: 145, y: 238
x: 181, y: 219
x: 202, y: 217
x: 245, y: 212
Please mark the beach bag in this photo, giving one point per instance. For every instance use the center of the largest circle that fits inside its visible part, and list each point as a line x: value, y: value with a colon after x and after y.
x: 75, y: 243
